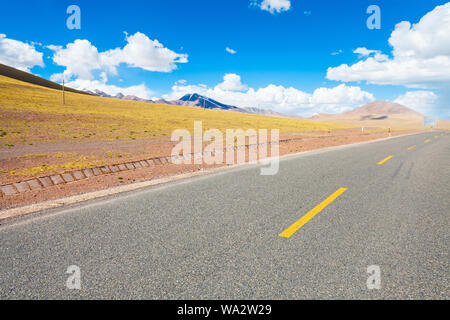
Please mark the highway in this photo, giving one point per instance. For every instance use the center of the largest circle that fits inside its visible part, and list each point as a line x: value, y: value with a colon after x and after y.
x: 309, y: 232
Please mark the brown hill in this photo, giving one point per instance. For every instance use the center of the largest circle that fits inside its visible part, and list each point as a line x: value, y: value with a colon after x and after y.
x: 17, y: 74
x: 381, y: 114
x: 443, y: 124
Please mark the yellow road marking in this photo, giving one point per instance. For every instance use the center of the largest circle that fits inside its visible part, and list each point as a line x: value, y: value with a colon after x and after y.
x: 428, y: 140
x: 435, y: 137
x: 383, y: 161
x: 412, y: 147
x: 303, y: 220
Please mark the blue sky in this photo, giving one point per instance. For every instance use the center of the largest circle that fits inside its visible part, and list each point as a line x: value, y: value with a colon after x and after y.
x: 279, y: 44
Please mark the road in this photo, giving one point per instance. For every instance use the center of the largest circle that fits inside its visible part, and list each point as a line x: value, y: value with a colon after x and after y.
x: 236, y: 234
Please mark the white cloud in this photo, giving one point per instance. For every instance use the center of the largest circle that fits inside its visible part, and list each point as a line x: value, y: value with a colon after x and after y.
x: 53, y: 47
x: 376, y: 54
x: 18, y: 54
x: 273, y: 6
x: 278, y: 98
x: 364, y: 52
x: 142, y: 52
x: 421, y: 55
x: 340, y: 95
x: 337, y: 52
x: 421, y: 101
x: 229, y: 50
x: 232, y: 82
x: 81, y: 57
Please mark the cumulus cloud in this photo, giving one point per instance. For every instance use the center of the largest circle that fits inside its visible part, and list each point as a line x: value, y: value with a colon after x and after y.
x: 278, y: 98
x: 231, y: 51
x: 151, y: 55
x: 81, y: 57
x: 420, y: 55
x: 273, y: 6
x: 421, y: 101
x: 18, y: 54
x: 232, y: 82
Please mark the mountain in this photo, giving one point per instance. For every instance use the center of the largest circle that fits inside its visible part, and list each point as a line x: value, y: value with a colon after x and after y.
x: 120, y: 95
x: 197, y: 100
x: 377, y: 114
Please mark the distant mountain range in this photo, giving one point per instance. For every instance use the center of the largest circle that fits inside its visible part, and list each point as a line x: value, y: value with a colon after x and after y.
x: 196, y: 100
x: 117, y: 96
x: 374, y: 114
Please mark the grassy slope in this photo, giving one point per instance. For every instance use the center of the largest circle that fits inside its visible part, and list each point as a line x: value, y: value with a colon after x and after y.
x: 31, y: 114
x: 11, y: 72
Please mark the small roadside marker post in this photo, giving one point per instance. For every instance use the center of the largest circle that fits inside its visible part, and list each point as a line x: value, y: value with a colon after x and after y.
x: 362, y: 130
x: 389, y: 132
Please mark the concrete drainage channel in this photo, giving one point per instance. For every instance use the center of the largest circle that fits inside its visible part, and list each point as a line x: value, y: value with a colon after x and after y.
x: 57, y: 179
x: 48, y: 181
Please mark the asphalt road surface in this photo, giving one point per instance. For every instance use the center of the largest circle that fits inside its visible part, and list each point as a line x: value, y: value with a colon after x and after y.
x: 236, y: 234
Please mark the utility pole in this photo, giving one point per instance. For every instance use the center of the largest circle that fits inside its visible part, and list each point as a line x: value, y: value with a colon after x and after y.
x: 63, y: 93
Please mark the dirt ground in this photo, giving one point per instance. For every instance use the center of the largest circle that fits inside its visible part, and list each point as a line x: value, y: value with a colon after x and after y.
x: 24, y: 162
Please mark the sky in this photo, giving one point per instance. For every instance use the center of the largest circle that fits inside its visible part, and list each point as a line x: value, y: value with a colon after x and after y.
x: 299, y: 57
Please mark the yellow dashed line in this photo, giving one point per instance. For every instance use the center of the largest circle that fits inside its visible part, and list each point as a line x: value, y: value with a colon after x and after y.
x: 428, y: 140
x: 412, y: 147
x: 384, y: 160
x: 303, y: 220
